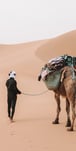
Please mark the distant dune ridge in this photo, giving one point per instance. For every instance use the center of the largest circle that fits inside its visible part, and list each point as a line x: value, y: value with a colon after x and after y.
x: 33, y: 129
x: 64, y: 44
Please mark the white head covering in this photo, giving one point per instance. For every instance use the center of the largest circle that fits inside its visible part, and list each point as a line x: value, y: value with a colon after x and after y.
x: 12, y: 74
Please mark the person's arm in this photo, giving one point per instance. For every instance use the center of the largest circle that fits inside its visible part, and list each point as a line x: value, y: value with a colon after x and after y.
x: 16, y: 89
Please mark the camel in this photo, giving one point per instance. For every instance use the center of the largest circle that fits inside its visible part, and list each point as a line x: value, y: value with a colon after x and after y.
x: 67, y: 89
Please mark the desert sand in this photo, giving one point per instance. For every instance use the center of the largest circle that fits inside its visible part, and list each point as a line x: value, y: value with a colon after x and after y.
x: 33, y: 129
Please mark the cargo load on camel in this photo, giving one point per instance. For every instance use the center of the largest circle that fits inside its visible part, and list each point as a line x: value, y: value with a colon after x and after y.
x: 51, y: 72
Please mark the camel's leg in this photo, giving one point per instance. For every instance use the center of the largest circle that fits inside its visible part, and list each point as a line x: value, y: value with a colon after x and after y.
x: 73, y: 116
x: 68, y: 124
x: 57, y: 97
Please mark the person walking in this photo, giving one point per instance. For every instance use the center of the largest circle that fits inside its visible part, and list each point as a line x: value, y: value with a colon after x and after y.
x: 12, y: 92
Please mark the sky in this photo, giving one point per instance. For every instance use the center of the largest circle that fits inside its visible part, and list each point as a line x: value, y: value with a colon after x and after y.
x: 30, y: 20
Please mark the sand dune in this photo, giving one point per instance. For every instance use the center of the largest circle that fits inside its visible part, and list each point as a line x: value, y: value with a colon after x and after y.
x: 64, y: 44
x: 33, y: 129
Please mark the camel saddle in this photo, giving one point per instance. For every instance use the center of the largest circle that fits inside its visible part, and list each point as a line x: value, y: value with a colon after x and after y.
x: 51, y: 73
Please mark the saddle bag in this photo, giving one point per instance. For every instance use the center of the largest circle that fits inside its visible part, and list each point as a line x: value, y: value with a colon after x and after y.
x: 52, y: 81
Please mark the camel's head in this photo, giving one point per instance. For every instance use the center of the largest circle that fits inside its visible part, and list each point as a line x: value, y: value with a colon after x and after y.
x: 68, y: 71
x: 62, y: 75
x: 43, y: 73
x: 39, y: 77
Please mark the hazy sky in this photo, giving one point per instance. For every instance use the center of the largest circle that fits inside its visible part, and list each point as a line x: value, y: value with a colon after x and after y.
x: 28, y: 20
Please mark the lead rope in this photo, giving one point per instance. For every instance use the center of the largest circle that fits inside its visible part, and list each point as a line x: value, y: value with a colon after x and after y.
x: 35, y: 94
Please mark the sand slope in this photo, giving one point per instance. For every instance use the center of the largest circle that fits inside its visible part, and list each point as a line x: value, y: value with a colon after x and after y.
x: 64, y: 44
x: 33, y: 129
